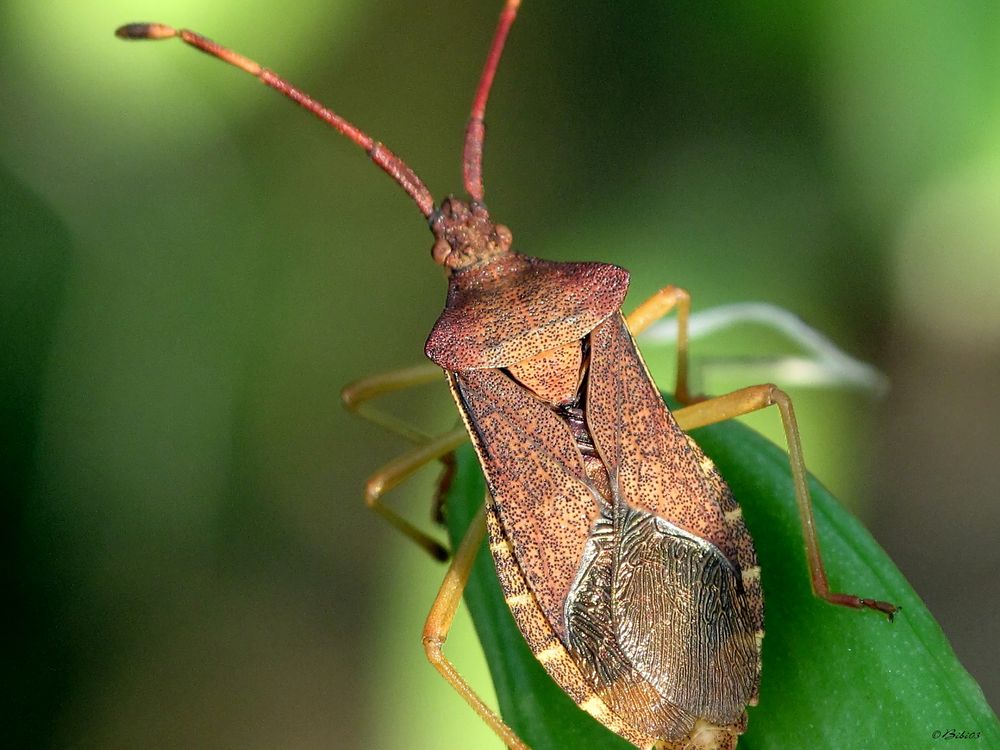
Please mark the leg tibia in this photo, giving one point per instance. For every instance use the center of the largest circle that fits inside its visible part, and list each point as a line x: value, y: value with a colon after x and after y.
x: 758, y: 397
x: 660, y: 304
x: 439, y: 622
x: 355, y: 397
x: 401, y: 468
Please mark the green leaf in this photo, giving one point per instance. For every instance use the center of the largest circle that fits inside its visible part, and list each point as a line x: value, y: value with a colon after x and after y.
x: 832, y: 677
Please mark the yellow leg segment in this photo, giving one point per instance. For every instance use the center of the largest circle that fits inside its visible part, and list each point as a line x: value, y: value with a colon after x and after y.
x: 427, y: 448
x: 654, y: 308
x: 402, y: 468
x: 757, y: 397
x: 355, y: 397
x: 439, y: 623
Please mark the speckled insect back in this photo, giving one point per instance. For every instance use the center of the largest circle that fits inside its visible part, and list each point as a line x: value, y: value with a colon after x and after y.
x: 620, y: 550
x: 626, y: 564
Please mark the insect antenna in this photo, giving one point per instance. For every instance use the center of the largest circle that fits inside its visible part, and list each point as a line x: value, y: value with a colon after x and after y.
x: 475, y: 132
x: 395, y: 167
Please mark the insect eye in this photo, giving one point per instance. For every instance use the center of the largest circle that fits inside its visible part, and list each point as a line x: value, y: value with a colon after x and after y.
x: 440, y: 252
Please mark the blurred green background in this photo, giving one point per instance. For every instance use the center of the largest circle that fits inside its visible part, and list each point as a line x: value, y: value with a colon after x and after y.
x: 192, y: 268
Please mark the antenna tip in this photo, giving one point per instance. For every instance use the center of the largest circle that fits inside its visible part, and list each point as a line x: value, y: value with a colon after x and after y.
x: 145, y: 31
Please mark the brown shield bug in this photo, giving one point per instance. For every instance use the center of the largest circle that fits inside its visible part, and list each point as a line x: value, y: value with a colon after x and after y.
x: 621, y: 552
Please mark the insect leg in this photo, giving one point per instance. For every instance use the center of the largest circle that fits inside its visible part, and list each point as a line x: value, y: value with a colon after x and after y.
x: 356, y: 395
x: 656, y: 307
x: 401, y: 468
x: 439, y: 623
x: 751, y: 399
